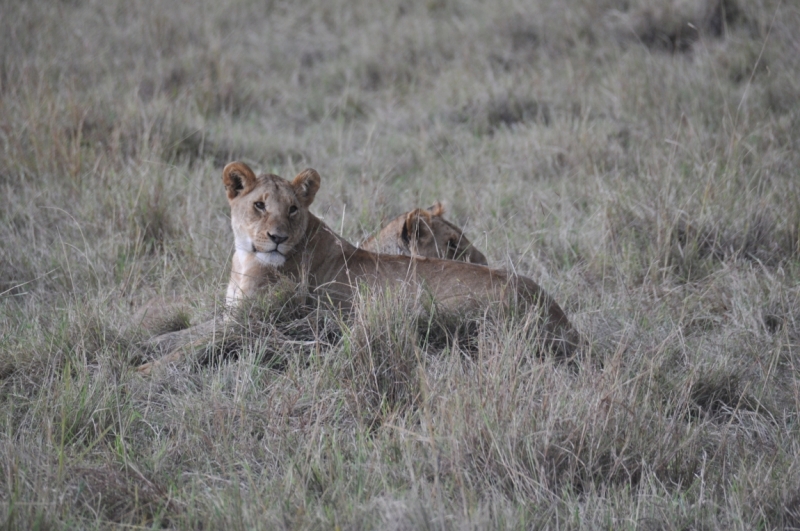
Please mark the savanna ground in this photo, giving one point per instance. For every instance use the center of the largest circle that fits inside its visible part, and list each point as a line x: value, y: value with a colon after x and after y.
x: 638, y: 159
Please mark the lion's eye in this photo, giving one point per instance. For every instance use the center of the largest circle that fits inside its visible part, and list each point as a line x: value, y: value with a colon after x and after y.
x: 292, y: 210
x: 452, y: 244
x: 259, y: 205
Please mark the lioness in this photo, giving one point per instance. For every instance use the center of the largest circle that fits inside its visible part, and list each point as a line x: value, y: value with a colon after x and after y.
x: 424, y: 232
x: 275, y: 233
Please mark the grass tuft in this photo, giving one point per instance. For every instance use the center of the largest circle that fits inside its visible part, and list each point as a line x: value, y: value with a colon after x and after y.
x: 382, y: 357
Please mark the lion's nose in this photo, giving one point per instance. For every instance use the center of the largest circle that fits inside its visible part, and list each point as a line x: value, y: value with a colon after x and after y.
x: 277, y: 239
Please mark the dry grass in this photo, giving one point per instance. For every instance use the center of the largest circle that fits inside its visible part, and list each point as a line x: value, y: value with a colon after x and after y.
x: 639, y: 159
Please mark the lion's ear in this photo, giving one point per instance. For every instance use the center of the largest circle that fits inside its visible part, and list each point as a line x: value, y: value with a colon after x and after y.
x: 436, y: 209
x: 417, y: 225
x: 306, y: 185
x: 238, y: 179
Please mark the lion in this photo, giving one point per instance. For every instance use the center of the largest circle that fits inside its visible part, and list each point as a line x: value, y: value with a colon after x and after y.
x: 276, y: 236
x: 424, y: 232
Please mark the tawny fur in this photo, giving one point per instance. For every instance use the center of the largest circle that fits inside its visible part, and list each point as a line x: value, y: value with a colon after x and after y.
x: 424, y: 232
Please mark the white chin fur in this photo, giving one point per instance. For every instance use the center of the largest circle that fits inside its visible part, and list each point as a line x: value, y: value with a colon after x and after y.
x: 273, y: 258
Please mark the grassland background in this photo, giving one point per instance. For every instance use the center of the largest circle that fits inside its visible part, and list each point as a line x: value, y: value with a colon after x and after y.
x: 639, y: 159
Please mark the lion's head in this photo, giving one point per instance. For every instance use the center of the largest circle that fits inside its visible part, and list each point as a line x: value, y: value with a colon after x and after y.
x: 269, y: 214
x: 425, y: 232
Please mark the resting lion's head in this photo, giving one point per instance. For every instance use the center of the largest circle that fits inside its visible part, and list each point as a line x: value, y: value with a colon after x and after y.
x: 269, y: 215
x: 425, y: 232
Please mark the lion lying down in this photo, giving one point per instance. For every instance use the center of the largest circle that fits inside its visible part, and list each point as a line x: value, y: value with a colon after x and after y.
x: 275, y: 232
x: 424, y: 232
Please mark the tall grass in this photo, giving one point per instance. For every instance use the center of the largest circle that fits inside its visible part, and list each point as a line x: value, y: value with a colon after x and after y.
x: 638, y: 159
